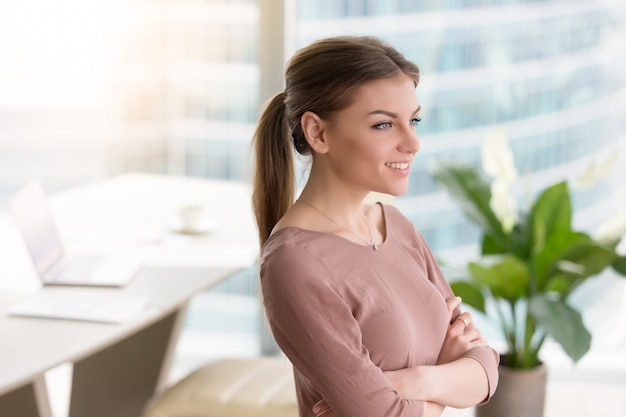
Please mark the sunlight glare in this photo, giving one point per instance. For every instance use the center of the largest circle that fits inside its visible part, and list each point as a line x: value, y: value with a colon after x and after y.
x: 55, y: 53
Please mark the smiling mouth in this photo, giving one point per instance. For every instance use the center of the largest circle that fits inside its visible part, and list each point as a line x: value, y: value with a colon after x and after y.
x: 397, y: 165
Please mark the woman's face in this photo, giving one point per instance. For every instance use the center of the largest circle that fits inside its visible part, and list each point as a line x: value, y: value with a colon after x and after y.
x: 371, y: 143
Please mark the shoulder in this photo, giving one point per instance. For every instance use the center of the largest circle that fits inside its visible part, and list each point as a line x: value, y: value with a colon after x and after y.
x: 291, y: 251
x: 291, y: 267
x: 392, y: 212
x: 396, y: 221
x: 402, y: 230
x: 285, y: 243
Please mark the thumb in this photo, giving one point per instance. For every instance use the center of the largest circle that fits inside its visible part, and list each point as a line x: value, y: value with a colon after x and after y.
x: 452, y: 303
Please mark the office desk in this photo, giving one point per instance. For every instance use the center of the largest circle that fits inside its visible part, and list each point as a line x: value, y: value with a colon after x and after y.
x: 117, y: 368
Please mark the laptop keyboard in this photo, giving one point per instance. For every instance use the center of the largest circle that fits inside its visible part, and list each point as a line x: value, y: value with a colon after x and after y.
x: 99, y: 306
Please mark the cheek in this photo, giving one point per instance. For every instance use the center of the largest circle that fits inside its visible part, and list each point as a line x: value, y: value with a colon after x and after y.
x: 359, y: 147
x: 368, y: 144
x: 375, y: 153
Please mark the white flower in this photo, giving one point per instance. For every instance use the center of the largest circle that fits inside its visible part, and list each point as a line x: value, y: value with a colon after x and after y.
x: 612, y: 230
x: 497, y: 157
x: 498, y: 162
x: 595, y: 171
x: 503, y: 204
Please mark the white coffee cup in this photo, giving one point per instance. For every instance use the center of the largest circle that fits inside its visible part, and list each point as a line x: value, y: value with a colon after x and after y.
x: 192, y: 217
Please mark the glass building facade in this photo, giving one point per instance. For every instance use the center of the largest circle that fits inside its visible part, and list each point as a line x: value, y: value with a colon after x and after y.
x: 549, y: 72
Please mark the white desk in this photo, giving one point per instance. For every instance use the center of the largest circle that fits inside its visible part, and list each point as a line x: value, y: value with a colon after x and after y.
x: 117, y: 368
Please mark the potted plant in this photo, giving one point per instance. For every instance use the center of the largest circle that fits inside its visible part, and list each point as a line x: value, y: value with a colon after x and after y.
x: 531, y: 262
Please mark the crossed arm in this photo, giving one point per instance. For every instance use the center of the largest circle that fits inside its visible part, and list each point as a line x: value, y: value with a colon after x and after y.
x: 454, y: 381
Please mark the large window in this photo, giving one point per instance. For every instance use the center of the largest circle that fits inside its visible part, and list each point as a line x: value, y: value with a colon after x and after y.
x: 89, y: 89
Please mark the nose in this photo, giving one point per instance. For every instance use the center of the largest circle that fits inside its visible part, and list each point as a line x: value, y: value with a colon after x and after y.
x: 410, y: 141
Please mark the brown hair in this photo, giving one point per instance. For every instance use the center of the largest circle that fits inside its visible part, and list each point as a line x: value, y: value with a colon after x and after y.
x: 319, y: 78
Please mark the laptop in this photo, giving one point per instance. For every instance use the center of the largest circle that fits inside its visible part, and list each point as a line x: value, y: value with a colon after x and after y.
x: 30, y: 211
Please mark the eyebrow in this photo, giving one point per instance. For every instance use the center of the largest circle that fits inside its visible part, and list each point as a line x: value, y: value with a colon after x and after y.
x: 392, y: 114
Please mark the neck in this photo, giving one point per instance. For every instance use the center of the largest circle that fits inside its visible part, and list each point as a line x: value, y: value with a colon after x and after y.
x: 344, y: 205
x: 369, y: 241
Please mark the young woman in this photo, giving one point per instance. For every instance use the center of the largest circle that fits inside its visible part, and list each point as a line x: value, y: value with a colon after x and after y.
x: 353, y: 295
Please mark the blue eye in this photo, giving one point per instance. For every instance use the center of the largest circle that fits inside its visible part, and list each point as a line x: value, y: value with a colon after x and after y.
x: 415, y: 121
x: 382, y: 126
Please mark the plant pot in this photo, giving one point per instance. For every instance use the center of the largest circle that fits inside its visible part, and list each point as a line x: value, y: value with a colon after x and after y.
x: 520, y: 393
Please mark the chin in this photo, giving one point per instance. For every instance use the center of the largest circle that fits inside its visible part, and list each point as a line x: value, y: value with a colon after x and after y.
x: 393, y: 191
x: 398, y: 190
x: 392, y: 188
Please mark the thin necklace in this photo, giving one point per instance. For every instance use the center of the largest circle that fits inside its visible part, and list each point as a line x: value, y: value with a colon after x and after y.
x: 369, y: 242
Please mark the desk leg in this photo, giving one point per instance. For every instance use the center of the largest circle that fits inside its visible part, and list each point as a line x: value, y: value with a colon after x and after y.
x: 119, y: 380
x: 31, y: 400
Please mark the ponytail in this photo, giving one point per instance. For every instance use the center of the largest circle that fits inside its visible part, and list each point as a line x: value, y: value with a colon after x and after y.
x: 274, y: 177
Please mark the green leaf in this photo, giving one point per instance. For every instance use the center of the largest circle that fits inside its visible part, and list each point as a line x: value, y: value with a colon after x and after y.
x: 472, y: 192
x: 560, y: 283
x: 619, y: 265
x: 579, y: 262
x: 563, y: 324
x: 593, y: 257
x: 520, y: 239
x: 470, y: 293
x: 490, y: 246
x: 550, y: 215
x: 504, y: 276
x: 545, y: 260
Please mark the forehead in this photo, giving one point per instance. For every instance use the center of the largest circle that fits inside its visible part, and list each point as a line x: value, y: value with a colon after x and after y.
x: 396, y: 94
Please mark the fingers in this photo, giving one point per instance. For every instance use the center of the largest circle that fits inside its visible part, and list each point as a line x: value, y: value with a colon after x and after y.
x: 320, y: 406
x: 465, y: 319
x: 452, y: 303
x: 322, y: 409
x: 461, y: 336
x: 474, y: 336
x: 327, y: 413
x: 469, y: 337
x: 463, y: 325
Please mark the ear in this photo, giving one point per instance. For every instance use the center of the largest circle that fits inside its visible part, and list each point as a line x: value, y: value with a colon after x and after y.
x: 313, y: 129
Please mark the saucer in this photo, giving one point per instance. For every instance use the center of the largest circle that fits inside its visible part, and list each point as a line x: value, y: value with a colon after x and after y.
x: 203, y: 228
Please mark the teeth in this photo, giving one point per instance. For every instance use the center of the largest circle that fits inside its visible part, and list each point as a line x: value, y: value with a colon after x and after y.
x: 397, y: 165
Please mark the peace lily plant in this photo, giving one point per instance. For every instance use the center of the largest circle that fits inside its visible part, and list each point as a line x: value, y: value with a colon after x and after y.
x: 531, y: 260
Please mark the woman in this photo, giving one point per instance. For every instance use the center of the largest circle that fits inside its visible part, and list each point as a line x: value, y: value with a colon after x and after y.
x: 353, y: 295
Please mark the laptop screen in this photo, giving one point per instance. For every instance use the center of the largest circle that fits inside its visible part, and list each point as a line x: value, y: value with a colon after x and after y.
x: 29, y: 208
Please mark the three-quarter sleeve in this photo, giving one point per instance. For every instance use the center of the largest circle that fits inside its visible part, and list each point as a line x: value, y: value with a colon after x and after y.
x: 314, y: 326
x: 488, y: 358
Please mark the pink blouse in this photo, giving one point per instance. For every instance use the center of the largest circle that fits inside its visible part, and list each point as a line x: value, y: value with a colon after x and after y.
x: 344, y: 313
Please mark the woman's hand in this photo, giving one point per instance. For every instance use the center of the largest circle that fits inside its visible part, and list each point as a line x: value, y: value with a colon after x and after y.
x: 322, y: 409
x: 461, y: 335
x: 432, y: 409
